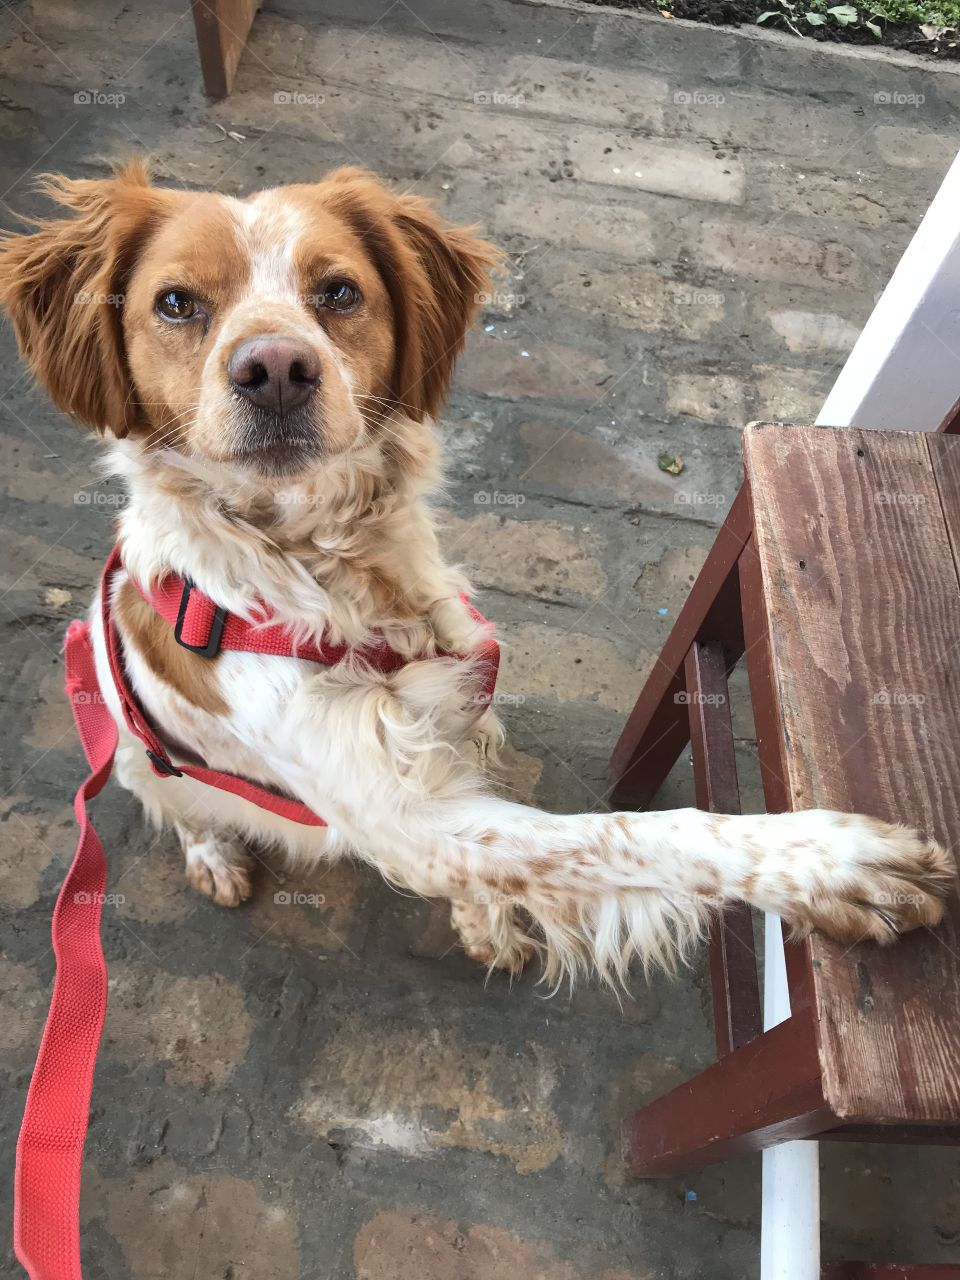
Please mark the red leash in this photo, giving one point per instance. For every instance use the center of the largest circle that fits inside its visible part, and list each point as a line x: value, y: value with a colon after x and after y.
x: 46, y: 1225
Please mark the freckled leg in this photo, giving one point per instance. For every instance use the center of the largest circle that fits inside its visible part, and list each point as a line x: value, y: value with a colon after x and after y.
x: 492, y: 934
x: 600, y: 887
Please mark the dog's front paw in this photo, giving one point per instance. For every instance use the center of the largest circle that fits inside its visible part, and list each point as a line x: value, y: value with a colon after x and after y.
x: 862, y: 878
x: 218, y: 868
x: 455, y: 628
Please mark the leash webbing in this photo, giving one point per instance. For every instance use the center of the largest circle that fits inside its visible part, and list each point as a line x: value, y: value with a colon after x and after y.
x: 46, y: 1226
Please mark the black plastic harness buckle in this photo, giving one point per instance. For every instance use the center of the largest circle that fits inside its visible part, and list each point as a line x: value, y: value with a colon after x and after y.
x: 212, y: 647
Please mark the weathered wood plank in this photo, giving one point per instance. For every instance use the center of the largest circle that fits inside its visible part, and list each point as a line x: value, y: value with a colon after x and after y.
x: 863, y: 605
x: 222, y: 28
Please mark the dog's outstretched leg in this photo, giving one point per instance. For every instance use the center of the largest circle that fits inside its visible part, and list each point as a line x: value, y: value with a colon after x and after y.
x: 602, y: 887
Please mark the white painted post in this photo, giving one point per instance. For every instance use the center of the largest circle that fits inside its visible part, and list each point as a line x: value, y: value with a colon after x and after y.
x: 790, y: 1215
x: 904, y: 372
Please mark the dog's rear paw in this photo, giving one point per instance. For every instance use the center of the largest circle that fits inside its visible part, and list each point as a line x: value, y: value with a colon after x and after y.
x: 492, y: 936
x: 512, y: 959
x: 870, y: 879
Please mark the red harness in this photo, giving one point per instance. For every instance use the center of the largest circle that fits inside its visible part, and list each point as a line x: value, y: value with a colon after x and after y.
x: 50, y: 1148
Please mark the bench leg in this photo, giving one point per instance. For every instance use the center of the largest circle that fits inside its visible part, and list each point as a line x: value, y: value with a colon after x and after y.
x: 890, y: 1271
x: 733, y: 960
x: 767, y: 1092
x: 657, y: 730
x: 222, y: 27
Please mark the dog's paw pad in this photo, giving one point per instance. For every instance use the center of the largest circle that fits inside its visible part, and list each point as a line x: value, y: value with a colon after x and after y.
x: 219, y: 869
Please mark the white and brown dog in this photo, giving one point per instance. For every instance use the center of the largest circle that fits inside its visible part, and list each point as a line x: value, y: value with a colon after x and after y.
x: 265, y: 371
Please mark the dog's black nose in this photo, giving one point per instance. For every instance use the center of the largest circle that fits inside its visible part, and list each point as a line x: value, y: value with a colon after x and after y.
x: 274, y: 372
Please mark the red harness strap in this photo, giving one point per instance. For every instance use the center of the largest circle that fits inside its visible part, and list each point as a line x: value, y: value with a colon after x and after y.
x: 46, y: 1229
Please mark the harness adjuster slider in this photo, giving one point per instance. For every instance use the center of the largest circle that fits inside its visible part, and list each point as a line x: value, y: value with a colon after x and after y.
x: 165, y: 767
x: 217, y: 622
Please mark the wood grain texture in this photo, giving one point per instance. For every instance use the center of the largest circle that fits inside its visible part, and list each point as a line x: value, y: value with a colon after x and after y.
x: 770, y: 741
x: 733, y: 960
x: 861, y: 592
x: 222, y: 28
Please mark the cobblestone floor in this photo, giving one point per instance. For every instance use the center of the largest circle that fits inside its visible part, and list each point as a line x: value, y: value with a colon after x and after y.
x: 698, y: 223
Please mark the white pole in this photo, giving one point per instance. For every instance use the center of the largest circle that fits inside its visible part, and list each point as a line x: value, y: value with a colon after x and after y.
x: 790, y: 1216
x: 904, y: 372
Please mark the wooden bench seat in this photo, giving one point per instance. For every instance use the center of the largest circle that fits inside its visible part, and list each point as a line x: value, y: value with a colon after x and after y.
x: 836, y: 574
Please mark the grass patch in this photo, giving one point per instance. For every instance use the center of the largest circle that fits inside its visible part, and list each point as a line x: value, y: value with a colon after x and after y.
x: 937, y: 13
x: 859, y: 19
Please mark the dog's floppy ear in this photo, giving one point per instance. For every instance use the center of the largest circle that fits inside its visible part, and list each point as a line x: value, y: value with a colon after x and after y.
x: 436, y: 275
x: 63, y: 287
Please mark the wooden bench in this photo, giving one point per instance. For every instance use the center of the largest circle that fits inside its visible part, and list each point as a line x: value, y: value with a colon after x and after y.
x: 836, y: 575
x: 222, y: 27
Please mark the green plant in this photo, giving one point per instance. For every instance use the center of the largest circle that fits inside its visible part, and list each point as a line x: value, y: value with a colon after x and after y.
x: 794, y: 15
x: 936, y: 13
x: 799, y: 17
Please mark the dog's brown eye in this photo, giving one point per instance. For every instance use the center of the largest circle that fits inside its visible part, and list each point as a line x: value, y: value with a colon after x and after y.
x: 176, y: 304
x: 340, y: 295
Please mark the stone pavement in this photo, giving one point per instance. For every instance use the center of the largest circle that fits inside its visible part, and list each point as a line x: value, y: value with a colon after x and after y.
x: 698, y: 223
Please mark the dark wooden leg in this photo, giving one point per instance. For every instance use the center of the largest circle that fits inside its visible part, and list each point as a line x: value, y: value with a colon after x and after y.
x: 767, y: 1092
x: 733, y: 960
x: 222, y: 28
x: 890, y: 1271
x: 951, y: 427
x: 770, y: 746
x: 657, y: 730
x: 766, y: 1088
x: 932, y: 1134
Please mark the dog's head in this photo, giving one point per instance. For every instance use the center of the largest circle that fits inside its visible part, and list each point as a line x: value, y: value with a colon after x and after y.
x: 269, y: 332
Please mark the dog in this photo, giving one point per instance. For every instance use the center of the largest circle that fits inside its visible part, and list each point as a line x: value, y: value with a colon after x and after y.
x: 264, y: 372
